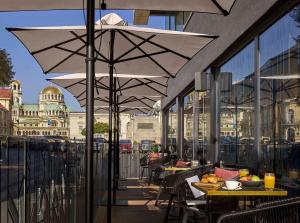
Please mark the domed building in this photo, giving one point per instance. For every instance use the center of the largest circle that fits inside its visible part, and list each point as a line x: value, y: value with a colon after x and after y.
x: 50, y: 117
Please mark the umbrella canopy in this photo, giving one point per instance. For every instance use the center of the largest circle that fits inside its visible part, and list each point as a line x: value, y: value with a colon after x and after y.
x: 128, y: 101
x: 124, y: 109
x: 211, y: 6
x: 132, y: 90
x: 136, y: 50
x: 130, y: 85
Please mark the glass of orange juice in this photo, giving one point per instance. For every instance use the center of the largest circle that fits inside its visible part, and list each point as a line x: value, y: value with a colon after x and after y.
x: 269, y: 181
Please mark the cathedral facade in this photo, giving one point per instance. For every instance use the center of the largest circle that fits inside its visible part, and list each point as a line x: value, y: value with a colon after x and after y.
x: 49, y: 117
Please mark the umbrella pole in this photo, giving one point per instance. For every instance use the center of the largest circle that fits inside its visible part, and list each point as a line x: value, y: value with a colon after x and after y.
x: 111, y: 71
x: 118, y: 146
x: 115, y: 144
x: 90, y: 76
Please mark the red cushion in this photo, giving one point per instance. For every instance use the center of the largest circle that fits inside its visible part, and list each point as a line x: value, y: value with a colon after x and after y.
x: 180, y: 163
x: 226, y: 174
x: 154, y: 156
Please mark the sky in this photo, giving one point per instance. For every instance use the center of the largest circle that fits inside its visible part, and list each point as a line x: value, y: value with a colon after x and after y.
x: 25, y: 67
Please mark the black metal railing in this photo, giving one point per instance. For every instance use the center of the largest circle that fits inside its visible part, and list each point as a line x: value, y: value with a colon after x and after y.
x: 42, y: 179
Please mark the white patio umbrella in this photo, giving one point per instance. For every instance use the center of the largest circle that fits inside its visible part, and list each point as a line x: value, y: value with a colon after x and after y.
x: 124, y: 109
x: 119, y: 48
x: 129, y: 49
x: 210, y: 6
x: 126, y: 84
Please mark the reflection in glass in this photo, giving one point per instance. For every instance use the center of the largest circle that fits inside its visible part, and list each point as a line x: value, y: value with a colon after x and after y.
x: 172, y: 129
x: 236, y: 83
x: 280, y: 97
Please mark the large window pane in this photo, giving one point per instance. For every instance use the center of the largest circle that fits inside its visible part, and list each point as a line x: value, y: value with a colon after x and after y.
x: 236, y: 83
x: 280, y: 97
x: 188, y: 125
x: 172, y: 128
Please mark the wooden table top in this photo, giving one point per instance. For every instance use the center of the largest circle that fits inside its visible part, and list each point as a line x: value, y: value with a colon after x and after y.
x: 245, y: 191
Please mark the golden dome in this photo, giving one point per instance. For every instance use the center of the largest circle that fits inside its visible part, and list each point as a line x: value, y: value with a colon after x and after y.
x: 50, y: 90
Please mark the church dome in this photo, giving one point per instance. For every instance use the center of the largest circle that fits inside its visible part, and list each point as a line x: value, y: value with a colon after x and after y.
x: 50, y: 90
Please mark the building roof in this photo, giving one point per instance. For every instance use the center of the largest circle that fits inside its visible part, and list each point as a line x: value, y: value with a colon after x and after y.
x: 52, y: 107
x: 50, y: 90
x: 30, y: 107
x: 5, y: 93
x: 2, y: 107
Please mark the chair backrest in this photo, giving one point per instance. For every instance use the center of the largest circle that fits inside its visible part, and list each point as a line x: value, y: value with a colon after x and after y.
x: 279, y: 211
x: 193, y: 179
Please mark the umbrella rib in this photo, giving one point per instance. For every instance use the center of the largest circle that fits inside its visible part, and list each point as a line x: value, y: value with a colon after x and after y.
x: 80, y: 95
x: 77, y: 53
x: 152, y: 81
x: 154, y: 61
x: 152, y: 87
x: 224, y: 12
x: 64, y: 60
x: 77, y: 82
x: 128, y: 51
x: 141, y: 56
x: 57, y: 44
x: 103, y: 85
x: 80, y: 38
x: 121, y: 87
x: 158, y: 45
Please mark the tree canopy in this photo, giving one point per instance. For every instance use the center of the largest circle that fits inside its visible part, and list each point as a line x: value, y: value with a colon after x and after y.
x: 99, y: 128
x: 6, y: 68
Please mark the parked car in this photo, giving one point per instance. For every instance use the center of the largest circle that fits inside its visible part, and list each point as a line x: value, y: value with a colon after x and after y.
x: 145, y: 145
x: 99, y: 143
x: 125, y: 146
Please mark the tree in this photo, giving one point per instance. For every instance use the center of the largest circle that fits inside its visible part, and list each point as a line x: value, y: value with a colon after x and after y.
x: 99, y: 128
x: 6, y: 68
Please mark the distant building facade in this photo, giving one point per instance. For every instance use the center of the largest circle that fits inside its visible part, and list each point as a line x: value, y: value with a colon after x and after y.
x: 6, y: 101
x: 144, y: 127
x: 78, y: 120
x: 49, y: 117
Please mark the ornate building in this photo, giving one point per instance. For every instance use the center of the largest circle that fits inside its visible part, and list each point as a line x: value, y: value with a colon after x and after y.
x: 50, y: 117
x: 6, y: 101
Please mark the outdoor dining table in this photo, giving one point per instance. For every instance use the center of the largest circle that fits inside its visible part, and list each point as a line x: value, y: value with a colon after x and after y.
x: 173, y: 168
x: 244, y: 192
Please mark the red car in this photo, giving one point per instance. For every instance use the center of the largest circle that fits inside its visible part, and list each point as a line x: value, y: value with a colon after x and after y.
x: 125, y: 146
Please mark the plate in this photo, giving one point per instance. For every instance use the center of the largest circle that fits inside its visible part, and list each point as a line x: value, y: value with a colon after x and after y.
x: 251, y: 183
x: 225, y: 188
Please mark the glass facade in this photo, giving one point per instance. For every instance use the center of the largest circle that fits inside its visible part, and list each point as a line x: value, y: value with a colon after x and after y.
x: 236, y: 81
x: 177, y: 21
x: 250, y: 116
x: 172, y: 128
x: 188, y: 125
x: 280, y: 96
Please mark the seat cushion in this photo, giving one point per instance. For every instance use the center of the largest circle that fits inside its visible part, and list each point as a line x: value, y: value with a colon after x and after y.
x: 226, y: 174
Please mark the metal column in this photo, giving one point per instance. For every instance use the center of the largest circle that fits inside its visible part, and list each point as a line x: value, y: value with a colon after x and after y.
x: 110, y: 132
x: 180, y: 127
x: 90, y: 79
x: 213, y: 151
x: 257, y: 131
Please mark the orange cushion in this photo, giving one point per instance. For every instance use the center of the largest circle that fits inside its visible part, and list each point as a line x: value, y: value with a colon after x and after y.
x: 226, y: 174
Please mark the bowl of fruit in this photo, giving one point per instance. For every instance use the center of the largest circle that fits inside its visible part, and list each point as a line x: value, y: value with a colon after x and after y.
x: 251, y: 181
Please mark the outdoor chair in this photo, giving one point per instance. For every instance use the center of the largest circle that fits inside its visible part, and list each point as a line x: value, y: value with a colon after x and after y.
x: 144, y: 165
x: 279, y: 211
x: 191, y: 199
x: 173, y: 186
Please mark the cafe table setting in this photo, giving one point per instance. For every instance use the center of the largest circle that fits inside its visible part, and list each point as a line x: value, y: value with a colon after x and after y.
x: 237, y: 185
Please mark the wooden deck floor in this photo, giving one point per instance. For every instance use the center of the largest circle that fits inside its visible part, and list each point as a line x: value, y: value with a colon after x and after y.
x: 141, y: 207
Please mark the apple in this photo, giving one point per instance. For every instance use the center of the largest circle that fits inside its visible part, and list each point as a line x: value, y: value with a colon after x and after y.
x: 255, y: 178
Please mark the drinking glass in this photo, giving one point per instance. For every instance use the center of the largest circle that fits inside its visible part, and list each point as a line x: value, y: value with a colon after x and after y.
x: 269, y: 181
